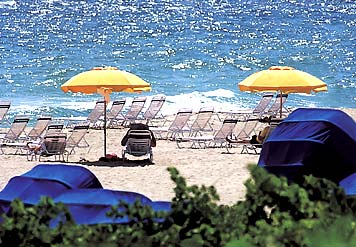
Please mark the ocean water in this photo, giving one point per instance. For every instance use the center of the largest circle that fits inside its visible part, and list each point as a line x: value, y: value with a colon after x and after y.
x: 194, y: 52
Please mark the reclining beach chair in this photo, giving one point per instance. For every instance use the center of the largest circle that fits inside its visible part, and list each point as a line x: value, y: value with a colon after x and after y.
x: 178, y: 127
x: 134, y: 110
x: 255, y: 148
x: 216, y: 140
x: 96, y: 113
x: 138, y: 144
x: 154, y: 109
x: 244, y: 135
x: 16, y: 129
x: 12, y: 138
x: 54, y: 128
x: 4, y: 108
x: 41, y: 125
x: 77, y: 137
x: 275, y: 108
x: 201, y: 123
x: 115, y: 116
x: 259, y: 109
x: 54, y: 145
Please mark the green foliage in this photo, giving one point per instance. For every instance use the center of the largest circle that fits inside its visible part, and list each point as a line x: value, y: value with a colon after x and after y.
x: 315, y: 212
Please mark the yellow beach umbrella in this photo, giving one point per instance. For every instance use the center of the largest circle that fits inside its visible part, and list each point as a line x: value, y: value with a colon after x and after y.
x: 283, y: 79
x: 105, y: 80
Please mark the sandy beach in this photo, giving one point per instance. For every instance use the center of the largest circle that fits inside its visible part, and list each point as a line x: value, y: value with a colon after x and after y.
x: 210, y: 166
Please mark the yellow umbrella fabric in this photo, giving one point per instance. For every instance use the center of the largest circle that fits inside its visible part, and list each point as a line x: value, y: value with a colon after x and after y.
x: 283, y: 79
x: 105, y: 81
x: 108, y: 77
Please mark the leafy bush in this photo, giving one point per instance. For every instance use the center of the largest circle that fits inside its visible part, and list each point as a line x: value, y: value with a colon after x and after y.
x: 274, y: 213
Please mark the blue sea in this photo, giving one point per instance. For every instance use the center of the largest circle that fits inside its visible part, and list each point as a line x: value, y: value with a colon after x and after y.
x: 194, y: 52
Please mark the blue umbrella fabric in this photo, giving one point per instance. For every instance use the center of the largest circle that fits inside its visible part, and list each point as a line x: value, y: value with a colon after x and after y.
x: 321, y: 142
x: 46, y: 180
x: 90, y: 206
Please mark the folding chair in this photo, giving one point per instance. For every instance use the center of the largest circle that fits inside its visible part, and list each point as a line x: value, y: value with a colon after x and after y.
x: 39, y: 128
x: 154, y: 109
x: 115, y: 115
x: 201, y: 123
x: 134, y: 110
x: 216, y: 140
x: 4, y: 108
x: 17, y: 128
x: 177, y: 127
x: 275, y: 108
x: 244, y: 135
x: 96, y: 113
x: 54, y: 128
x: 138, y: 144
x: 54, y: 145
x: 77, y: 138
x: 259, y: 109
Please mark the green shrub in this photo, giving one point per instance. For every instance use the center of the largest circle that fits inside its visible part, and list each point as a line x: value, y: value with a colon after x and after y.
x: 274, y: 213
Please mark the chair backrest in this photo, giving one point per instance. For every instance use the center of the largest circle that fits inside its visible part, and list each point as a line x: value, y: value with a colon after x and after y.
x: 226, y: 129
x: 139, y: 142
x: 154, y: 107
x: 201, y: 122
x: 96, y: 112
x: 116, y: 108
x: 181, y: 119
x: 40, y: 126
x: 4, y: 108
x: 247, y: 130
x: 17, y: 128
x: 54, y: 143
x: 135, y: 108
x: 262, y: 105
x: 77, y: 135
x: 54, y: 128
x: 277, y: 104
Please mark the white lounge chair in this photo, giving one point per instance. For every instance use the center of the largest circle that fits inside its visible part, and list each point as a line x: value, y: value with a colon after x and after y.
x: 39, y: 128
x: 178, y: 127
x: 4, y: 108
x: 153, y: 111
x: 216, y: 140
x: 134, y: 110
x: 115, y: 116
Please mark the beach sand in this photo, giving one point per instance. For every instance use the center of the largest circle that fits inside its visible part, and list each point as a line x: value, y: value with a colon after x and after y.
x: 227, y: 172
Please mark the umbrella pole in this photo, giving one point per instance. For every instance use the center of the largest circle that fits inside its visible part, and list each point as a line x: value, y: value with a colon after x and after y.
x: 104, y: 127
x: 280, y: 111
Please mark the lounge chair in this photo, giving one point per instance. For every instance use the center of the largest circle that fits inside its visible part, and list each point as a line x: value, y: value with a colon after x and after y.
x: 134, y: 110
x: 4, y: 108
x: 259, y: 109
x: 201, y: 123
x: 41, y: 125
x: 255, y: 148
x: 54, y: 145
x: 138, y: 144
x: 115, y: 115
x: 154, y: 109
x: 96, y: 113
x: 275, y: 108
x: 177, y: 127
x: 77, y: 137
x: 244, y: 135
x: 216, y: 140
x: 17, y: 128
x: 54, y: 128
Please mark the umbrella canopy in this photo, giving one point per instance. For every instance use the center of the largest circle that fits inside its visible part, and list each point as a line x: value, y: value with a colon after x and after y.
x: 105, y: 81
x: 283, y: 79
x: 109, y: 77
